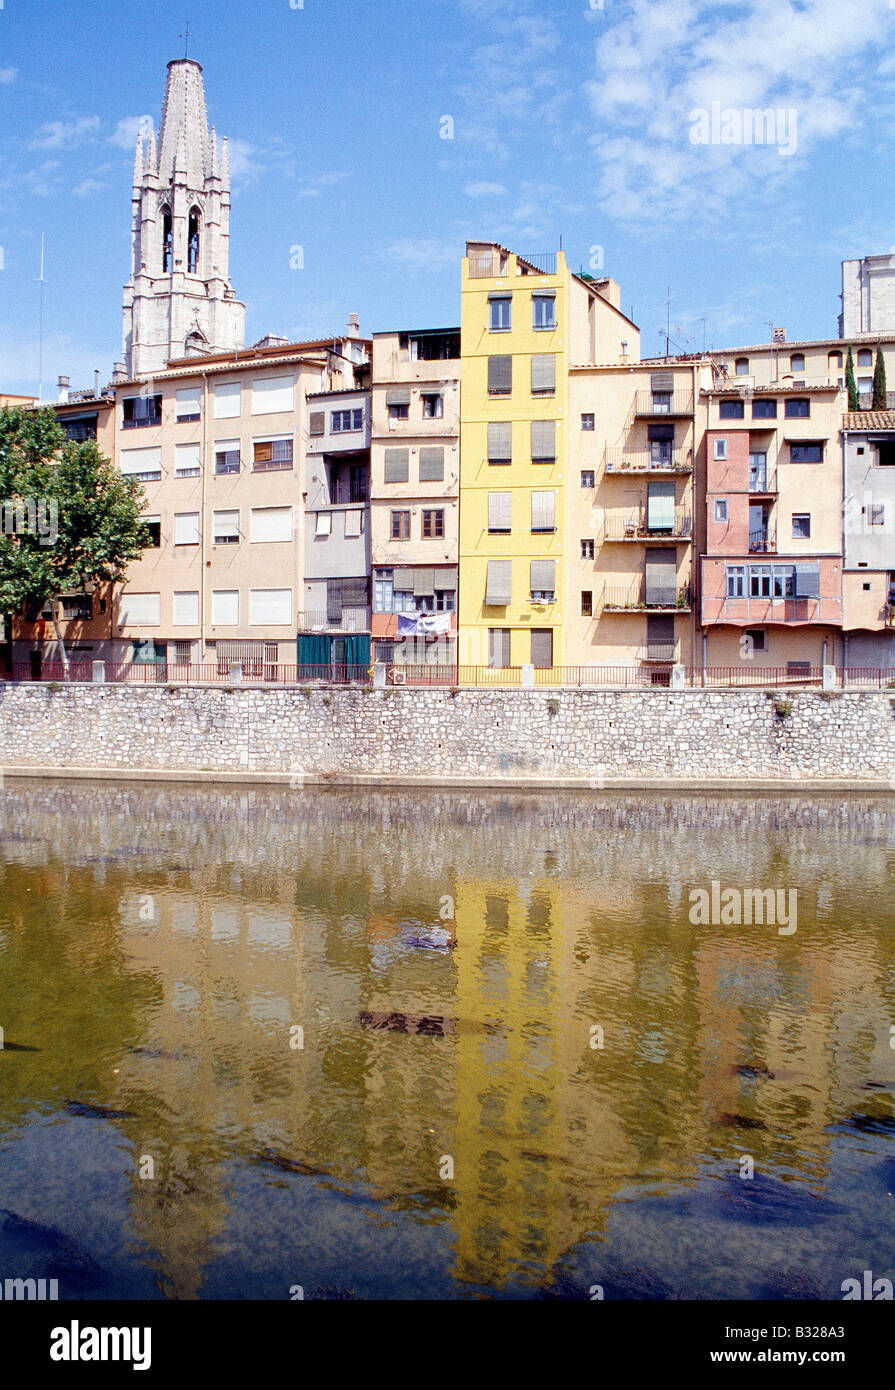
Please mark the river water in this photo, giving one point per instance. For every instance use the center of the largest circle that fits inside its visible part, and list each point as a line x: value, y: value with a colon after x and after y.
x: 443, y: 1044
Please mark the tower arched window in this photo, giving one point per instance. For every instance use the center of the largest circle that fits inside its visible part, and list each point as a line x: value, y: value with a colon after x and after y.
x: 167, y: 242
x: 193, y: 245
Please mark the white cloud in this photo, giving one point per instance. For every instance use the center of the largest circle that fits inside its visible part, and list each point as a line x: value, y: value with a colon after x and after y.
x: 8, y: 75
x: 484, y: 190
x: 61, y: 135
x: 126, y: 132
x: 87, y: 187
x: 417, y: 255
x: 315, y: 186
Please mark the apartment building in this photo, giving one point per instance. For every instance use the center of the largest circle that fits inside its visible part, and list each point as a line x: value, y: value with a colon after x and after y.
x: 415, y: 510
x: 869, y: 539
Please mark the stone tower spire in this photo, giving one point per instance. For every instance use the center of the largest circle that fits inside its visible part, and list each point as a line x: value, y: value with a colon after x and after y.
x: 179, y: 300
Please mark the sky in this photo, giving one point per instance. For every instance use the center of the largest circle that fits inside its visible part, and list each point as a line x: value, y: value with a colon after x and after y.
x: 379, y: 136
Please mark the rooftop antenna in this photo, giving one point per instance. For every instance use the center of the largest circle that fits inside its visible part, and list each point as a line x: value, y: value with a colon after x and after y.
x: 40, y: 336
x: 186, y: 40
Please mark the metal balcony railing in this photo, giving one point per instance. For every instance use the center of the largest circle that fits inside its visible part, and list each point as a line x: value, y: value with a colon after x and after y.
x: 636, y: 597
x: 663, y: 403
x: 350, y: 492
x: 762, y: 543
x: 544, y: 262
x: 636, y: 526
x: 351, y: 620
x: 659, y: 651
x: 622, y: 460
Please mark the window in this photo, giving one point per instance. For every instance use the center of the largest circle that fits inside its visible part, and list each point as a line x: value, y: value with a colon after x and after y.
x: 806, y: 453
x: 226, y: 456
x: 403, y: 598
x: 383, y: 589
x: 400, y: 526
x: 542, y: 647
x: 587, y: 549
x: 187, y: 460
x: 433, y: 525
x: 731, y: 410
x: 140, y: 411
x: 741, y: 366
x: 587, y: 421
x: 226, y: 528
x: 153, y: 525
x: 834, y: 360
x: 543, y: 374
x: 543, y: 311
x: 227, y: 400
x: 543, y: 441
x: 397, y: 466
x: 346, y: 421
x: 186, y: 609
x: 324, y: 524
x: 499, y: 647
x: 721, y: 509
x: 269, y: 455
x: 397, y: 399
x: 80, y: 429
x: 445, y: 600
x: 587, y: 603
x: 167, y: 242
x: 797, y: 362
x: 432, y: 464
x: 192, y: 258
x: 500, y: 376
x: 801, y: 526
x: 758, y: 638
x: 865, y: 358
x: 721, y: 449
x: 270, y: 608
x: 500, y: 313
x: 500, y: 513
x: 270, y: 525
x: 399, y: 412
x: 500, y: 442
x: 354, y: 524
x: 543, y: 512
x: 660, y: 402
x: 273, y: 395
x: 543, y: 581
x: 77, y: 607
x: 764, y: 410
x: 885, y: 453
x: 498, y: 587
x: 797, y: 409
x: 587, y: 477
x: 876, y: 514
x: 145, y: 464
x: 139, y: 610
x: 186, y: 528
x: 433, y: 405
x: 736, y: 581
x: 189, y: 404
x: 225, y: 607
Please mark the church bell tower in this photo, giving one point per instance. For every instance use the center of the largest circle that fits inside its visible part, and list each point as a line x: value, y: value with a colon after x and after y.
x: 179, y: 301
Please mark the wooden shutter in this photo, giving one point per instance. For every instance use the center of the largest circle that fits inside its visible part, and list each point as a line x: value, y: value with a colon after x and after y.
x: 661, y: 576
x: 397, y: 465
x: 542, y: 646
x: 661, y: 381
x: 543, y: 511
x: 432, y: 465
x: 543, y: 576
x: 500, y: 375
x: 317, y: 422
x: 543, y: 441
x: 500, y: 441
x: 334, y: 600
x: 398, y: 395
x: 500, y: 580
x: 423, y: 581
x: 500, y: 511
x: 543, y: 372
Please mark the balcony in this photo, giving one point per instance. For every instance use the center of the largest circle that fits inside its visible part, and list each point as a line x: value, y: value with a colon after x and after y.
x: 646, y: 461
x: 762, y: 543
x: 665, y: 403
x: 542, y: 263
x: 350, y: 620
x: 668, y: 652
x: 633, y: 599
x: 634, y: 526
x: 345, y: 493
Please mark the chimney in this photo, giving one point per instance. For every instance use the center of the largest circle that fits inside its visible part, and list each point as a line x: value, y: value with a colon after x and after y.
x: 64, y: 384
x: 353, y: 326
x: 118, y: 373
x: 96, y: 383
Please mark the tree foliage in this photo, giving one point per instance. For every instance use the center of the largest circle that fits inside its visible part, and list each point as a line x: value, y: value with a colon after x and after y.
x: 851, y: 384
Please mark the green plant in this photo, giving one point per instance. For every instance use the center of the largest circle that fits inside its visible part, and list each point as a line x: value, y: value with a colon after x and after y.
x: 850, y: 384
x: 552, y: 707
x: 454, y: 691
x: 880, y: 396
x: 53, y: 685
x: 783, y: 707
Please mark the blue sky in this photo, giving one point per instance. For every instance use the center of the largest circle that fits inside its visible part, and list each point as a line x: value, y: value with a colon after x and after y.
x: 570, y: 119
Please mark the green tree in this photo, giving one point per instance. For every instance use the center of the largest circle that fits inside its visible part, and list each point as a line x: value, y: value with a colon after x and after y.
x: 851, y: 385
x: 68, y: 518
x: 880, y: 395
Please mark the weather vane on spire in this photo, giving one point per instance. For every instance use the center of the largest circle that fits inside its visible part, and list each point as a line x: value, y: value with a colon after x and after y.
x: 186, y: 40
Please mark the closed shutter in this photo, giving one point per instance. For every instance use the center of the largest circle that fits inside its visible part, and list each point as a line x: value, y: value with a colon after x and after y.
x: 807, y: 581
x: 499, y: 647
x: 355, y: 593
x: 500, y: 376
x: 500, y: 441
x: 189, y: 402
x: 397, y: 465
x: 353, y: 524
x: 225, y: 608
x: 227, y: 400
x: 272, y: 395
x: 661, y: 381
x: 186, y: 528
x: 317, y: 422
x: 432, y: 465
x: 139, y: 610
x: 661, y: 577
x: 447, y: 579
x: 660, y: 431
x: 398, y: 395
x: 270, y: 607
x: 270, y: 524
x: 500, y: 511
x: 324, y: 524
x: 542, y: 646
x: 543, y: 441
x: 423, y: 582
x: 140, y: 461
x: 226, y: 524
x: 187, y: 460
x: 543, y: 576
x: 543, y: 511
x: 500, y: 581
x: 543, y: 372
x: 660, y: 506
x: 186, y: 609
x: 334, y: 600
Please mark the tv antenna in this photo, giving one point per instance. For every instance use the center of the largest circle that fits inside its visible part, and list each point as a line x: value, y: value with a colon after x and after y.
x: 186, y: 40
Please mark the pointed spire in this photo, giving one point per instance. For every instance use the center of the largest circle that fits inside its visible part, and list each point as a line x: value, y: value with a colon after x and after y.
x: 181, y: 164
x: 212, y: 169
x: 151, y: 160
x: 138, y: 160
x: 225, y: 164
x: 184, y: 119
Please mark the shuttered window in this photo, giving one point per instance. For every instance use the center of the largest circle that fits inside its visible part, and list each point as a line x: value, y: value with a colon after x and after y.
x: 661, y: 381
x: 500, y: 579
x: 269, y: 524
x: 139, y: 610
x: 423, y: 582
x: 543, y: 441
x: 317, y: 422
x: 500, y: 441
x: 660, y: 506
x: 187, y: 460
x: 500, y: 511
x: 500, y: 376
x: 272, y: 395
x: 398, y: 395
x: 543, y: 511
x: 807, y: 581
x: 227, y: 400
x: 543, y: 373
x: 186, y: 528
x: 542, y: 646
x: 226, y: 528
x: 353, y: 521
x: 189, y: 403
x: 141, y: 463
x: 661, y: 577
x: 226, y: 456
x: 186, y: 609
x: 397, y: 465
x: 543, y: 579
x: 225, y: 607
x: 432, y: 465
x: 270, y: 608
x: 499, y: 647
x: 324, y: 524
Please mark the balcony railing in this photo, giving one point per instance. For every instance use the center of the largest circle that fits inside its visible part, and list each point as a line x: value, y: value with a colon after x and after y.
x: 645, y: 461
x: 663, y: 403
x: 636, y: 597
x: 761, y: 543
x: 350, y: 492
x: 351, y: 620
x: 635, y: 526
x: 659, y: 651
x: 544, y: 262
x: 141, y: 422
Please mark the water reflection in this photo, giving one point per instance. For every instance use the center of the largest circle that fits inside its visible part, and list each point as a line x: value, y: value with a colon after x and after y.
x: 505, y: 987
